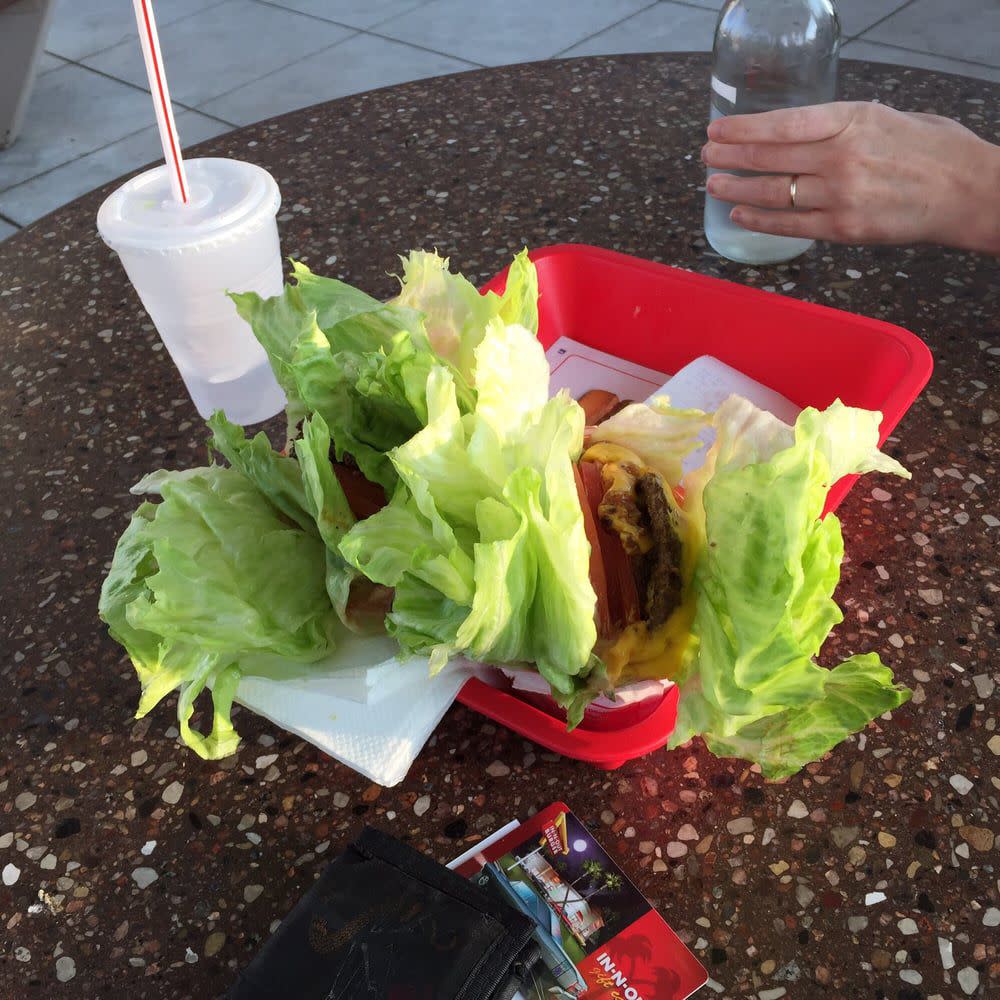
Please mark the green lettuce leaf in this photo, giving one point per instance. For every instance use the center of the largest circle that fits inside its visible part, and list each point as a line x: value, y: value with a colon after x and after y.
x: 764, y: 586
x: 328, y: 506
x: 856, y: 691
x: 659, y: 435
x: 305, y: 489
x: 484, y: 540
x: 363, y: 365
x: 205, y: 580
x: 360, y: 364
x: 455, y: 314
x: 282, y: 324
x: 277, y: 476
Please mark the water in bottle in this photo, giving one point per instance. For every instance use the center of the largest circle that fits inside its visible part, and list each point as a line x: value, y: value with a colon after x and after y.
x: 768, y: 54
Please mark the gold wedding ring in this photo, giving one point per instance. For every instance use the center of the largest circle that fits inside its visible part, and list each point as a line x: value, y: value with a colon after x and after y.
x: 793, y: 190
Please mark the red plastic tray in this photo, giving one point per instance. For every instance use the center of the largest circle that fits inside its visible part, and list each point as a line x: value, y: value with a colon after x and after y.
x: 663, y: 317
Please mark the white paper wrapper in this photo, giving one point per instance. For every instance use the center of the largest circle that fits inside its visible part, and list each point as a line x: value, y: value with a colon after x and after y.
x: 578, y: 368
x: 705, y: 384
x: 629, y: 694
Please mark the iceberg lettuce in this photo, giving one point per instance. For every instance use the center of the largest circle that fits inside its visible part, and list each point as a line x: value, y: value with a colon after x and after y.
x: 764, y: 581
x: 484, y: 540
x: 207, y: 579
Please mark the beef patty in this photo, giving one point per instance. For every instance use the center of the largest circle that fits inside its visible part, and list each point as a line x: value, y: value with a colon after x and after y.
x: 660, y: 582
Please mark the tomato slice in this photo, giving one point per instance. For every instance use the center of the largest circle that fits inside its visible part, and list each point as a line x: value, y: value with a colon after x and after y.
x: 623, y: 598
x: 602, y: 618
x: 621, y: 580
x: 364, y: 498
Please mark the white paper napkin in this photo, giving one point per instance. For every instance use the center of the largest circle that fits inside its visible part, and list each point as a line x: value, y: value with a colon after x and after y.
x: 380, y: 737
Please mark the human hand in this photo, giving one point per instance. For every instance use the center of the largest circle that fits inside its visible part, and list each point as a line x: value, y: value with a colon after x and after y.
x: 865, y: 173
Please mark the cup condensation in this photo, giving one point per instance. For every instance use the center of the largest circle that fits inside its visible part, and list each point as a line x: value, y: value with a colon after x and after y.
x: 182, y: 259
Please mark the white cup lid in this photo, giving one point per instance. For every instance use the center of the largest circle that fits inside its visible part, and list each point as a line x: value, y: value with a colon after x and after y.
x: 227, y: 197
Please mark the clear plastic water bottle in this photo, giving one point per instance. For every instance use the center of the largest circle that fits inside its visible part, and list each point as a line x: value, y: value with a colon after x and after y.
x: 768, y: 54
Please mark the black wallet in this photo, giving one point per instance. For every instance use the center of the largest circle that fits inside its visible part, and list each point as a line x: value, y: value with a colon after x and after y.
x: 384, y: 922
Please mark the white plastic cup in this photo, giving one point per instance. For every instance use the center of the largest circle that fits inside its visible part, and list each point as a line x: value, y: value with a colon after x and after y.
x: 182, y: 259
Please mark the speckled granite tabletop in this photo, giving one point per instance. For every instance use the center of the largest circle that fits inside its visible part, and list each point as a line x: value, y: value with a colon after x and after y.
x: 130, y: 867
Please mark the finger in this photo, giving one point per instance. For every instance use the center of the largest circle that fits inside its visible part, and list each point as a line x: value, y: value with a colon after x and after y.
x: 809, y: 124
x: 772, y: 191
x: 767, y: 158
x: 808, y: 224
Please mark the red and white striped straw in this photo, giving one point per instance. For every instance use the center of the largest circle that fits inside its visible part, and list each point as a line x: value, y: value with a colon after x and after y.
x: 161, y: 98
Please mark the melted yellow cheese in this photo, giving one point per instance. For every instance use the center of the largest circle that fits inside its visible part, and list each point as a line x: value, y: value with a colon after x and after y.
x: 643, y: 654
x: 604, y: 451
x: 618, y: 511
